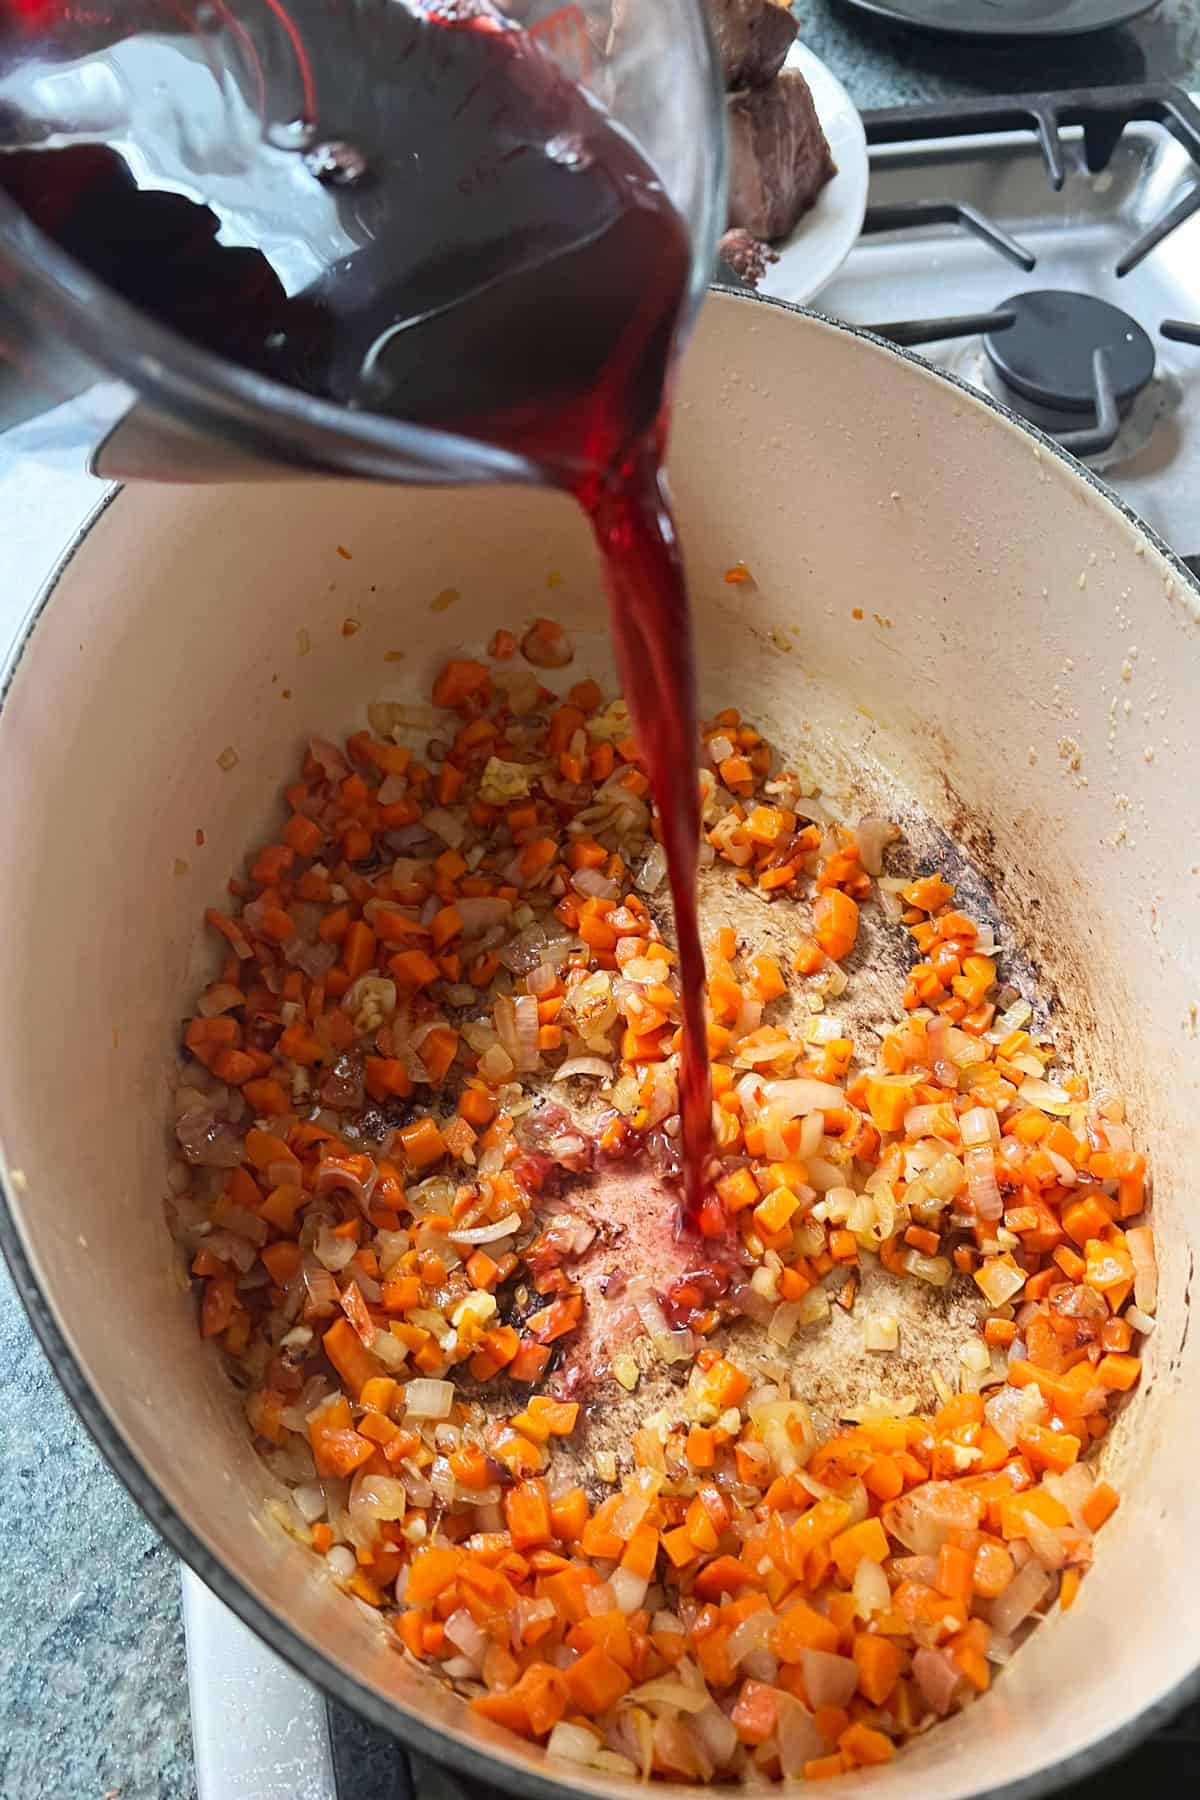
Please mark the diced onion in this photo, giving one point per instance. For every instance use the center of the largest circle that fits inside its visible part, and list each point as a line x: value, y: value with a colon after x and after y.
x: 792, y: 1099
x: 1026, y: 1590
x: 526, y: 1009
x: 1046, y: 1542
x: 881, y: 1332
x: 666, y: 1692
x: 535, y: 944
x: 963, y: 1050
x: 829, y: 1680
x: 479, y: 915
x: 1015, y: 1018
x: 574, y: 1743
x: 594, y: 886
x: 979, y: 1126
x: 752, y: 1634
x: 874, y: 836
x: 333, y: 1252
x: 936, y: 1270
x: 718, y: 1733
x: 1145, y: 1268
x: 495, y: 1065
x: 309, y: 1503
x: 629, y: 1589
x: 800, y: 1741
x: 814, y: 1307
x: 784, y: 1321
x: 1046, y: 1096
x: 982, y: 1187
x: 377, y: 1497
x: 652, y: 872
x: 938, y: 1677
x: 871, y: 1591
x: 445, y: 825
x: 998, y: 1280
x: 1072, y: 1488
x: 595, y: 1066
x: 487, y: 1234
x: 924, y: 1518
x: 429, y: 1399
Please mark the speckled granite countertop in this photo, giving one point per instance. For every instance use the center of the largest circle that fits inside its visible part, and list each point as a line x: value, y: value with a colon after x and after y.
x: 93, y: 1686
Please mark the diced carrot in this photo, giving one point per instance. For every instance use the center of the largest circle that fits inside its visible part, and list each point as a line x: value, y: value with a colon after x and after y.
x: 595, y: 1682
x: 862, y: 1746
x: 798, y: 1628
x: 530, y: 1361
x: 992, y: 1569
x: 1118, y: 1372
x: 439, y: 1048
x: 527, y: 1515
x: 866, y: 1540
x: 358, y: 949
x: 413, y: 968
x: 879, y: 1663
x: 835, y: 923
x: 889, y: 1098
x: 1099, y: 1506
x: 337, y: 1448
x: 755, y: 1715
x: 349, y: 1356
x: 267, y: 1099
x: 823, y: 1768
x: 281, y: 1206
x: 432, y: 1569
x: 1046, y: 1449
x: 422, y: 1143
x: 461, y: 680
x: 569, y: 1515
x: 386, y: 1078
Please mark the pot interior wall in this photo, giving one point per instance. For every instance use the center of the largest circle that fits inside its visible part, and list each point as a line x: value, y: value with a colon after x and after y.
x: 1023, y: 675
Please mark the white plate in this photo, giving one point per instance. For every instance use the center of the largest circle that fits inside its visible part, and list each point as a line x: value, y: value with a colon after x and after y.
x: 822, y: 240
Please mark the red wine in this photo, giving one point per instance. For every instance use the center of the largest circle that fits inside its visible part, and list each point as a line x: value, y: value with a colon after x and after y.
x: 469, y: 243
x: 651, y: 623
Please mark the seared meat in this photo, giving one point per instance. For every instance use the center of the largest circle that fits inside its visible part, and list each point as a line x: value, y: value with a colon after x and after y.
x: 747, y: 256
x: 752, y: 36
x: 779, y: 159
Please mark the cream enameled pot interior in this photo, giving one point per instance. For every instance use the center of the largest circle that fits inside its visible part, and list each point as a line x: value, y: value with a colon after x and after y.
x: 1010, y: 614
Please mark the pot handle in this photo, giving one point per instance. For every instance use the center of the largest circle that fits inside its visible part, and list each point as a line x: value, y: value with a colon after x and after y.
x: 259, y: 1728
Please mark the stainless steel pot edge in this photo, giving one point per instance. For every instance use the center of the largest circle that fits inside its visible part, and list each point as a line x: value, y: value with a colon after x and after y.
x: 306, y: 1658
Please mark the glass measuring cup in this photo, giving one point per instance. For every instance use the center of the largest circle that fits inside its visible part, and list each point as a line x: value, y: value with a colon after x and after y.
x: 221, y: 90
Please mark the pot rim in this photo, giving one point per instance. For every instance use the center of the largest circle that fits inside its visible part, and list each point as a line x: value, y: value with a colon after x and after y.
x: 309, y: 1660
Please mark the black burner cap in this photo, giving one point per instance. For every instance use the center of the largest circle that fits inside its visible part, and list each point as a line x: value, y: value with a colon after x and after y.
x: 1046, y: 355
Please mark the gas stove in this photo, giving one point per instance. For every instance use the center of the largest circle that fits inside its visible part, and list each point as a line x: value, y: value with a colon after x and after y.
x: 1046, y: 250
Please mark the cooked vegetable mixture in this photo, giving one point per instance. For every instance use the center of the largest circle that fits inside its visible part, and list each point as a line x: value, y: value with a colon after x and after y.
x: 447, y: 1000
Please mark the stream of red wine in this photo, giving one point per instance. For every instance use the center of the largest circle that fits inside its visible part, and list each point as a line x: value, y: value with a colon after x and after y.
x: 486, y: 253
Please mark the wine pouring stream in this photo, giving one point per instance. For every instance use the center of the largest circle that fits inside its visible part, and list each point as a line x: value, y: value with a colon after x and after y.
x: 420, y: 241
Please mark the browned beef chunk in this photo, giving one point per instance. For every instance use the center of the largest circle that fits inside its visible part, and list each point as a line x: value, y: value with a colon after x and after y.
x: 753, y: 37
x: 779, y: 159
x: 747, y: 256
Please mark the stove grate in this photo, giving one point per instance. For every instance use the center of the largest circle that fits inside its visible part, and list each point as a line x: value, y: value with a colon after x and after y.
x: 948, y: 212
x: 1102, y: 115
